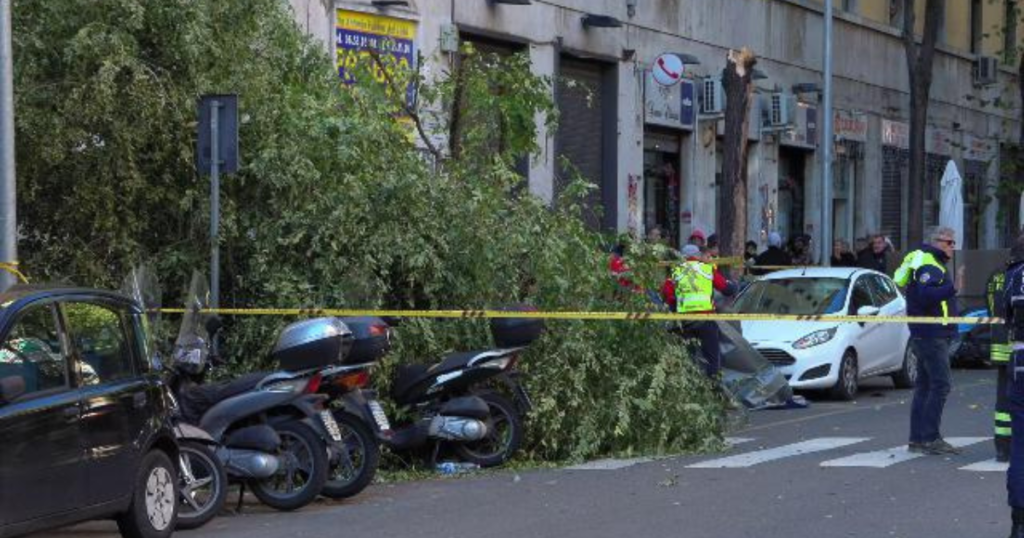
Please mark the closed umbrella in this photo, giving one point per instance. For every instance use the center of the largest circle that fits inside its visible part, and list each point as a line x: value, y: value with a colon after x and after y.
x: 951, y: 207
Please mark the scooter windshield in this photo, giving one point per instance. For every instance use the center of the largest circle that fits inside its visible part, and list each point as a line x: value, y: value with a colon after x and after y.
x: 191, y: 347
x: 142, y: 285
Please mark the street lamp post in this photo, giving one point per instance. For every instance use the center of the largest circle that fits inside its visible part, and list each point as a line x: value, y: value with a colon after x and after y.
x: 826, y: 143
x: 8, y: 215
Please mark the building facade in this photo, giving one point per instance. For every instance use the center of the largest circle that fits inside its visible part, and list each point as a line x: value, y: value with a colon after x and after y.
x: 656, y: 151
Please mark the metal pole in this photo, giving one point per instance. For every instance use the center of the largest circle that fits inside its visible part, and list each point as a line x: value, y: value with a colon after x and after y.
x: 827, y: 142
x: 8, y: 205
x: 214, y: 204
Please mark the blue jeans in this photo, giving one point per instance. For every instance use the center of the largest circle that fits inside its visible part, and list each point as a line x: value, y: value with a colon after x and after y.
x: 933, y: 385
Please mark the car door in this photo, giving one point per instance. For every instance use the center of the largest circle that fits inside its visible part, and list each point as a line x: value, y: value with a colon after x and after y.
x: 890, y: 304
x: 870, y: 338
x: 42, y: 469
x: 114, y: 395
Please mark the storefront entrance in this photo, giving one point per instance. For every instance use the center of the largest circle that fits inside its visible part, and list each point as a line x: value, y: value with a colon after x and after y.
x: 662, y: 184
x: 792, y: 180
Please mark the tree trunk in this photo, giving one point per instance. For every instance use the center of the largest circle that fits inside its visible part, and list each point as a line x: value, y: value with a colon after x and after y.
x: 920, y: 59
x: 737, y: 81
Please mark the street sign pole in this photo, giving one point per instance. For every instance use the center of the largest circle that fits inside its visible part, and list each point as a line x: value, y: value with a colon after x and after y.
x: 827, y: 140
x: 215, y: 204
x: 8, y: 200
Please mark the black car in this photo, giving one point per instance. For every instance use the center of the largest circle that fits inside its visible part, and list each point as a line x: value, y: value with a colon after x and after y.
x: 84, y: 421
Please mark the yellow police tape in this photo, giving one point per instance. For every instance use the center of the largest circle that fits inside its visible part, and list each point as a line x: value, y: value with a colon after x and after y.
x: 590, y: 316
x: 12, y: 268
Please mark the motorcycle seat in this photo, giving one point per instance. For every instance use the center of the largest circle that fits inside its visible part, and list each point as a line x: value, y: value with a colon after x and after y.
x: 410, y: 375
x: 196, y: 400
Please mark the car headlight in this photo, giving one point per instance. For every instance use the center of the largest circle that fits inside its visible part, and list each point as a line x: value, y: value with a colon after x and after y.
x: 816, y: 338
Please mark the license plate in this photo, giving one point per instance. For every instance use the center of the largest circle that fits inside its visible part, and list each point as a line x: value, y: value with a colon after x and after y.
x: 331, y: 425
x: 379, y: 416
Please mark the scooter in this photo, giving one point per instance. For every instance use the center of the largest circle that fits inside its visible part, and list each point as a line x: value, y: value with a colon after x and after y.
x: 456, y: 404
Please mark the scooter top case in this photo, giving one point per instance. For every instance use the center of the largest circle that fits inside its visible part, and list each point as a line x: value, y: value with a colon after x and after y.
x: 457, y: 372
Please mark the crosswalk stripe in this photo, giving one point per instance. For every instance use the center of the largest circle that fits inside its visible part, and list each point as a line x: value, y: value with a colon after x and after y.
x: 988, y: 466
x: 881, y: 459
x: 749, y: 459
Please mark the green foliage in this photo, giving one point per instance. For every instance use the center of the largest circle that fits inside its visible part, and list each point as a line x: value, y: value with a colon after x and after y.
x: 335, y: 204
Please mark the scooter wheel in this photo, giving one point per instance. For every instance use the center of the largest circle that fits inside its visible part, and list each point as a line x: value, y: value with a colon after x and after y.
x: 354, y: 460
x: 303, y: 471
x: 203, y: 487
x: 504, y: 435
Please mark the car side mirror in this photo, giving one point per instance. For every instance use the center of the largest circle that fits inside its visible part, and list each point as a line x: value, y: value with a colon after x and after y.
x: 11, y: 388
x: 868, y: 311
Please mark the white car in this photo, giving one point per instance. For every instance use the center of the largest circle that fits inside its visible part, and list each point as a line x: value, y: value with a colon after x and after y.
x: 828, y: 354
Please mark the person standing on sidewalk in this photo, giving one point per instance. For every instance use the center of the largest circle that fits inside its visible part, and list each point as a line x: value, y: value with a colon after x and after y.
x: 1014, y: 305
x: 999, y: 354
x: 930, y: 293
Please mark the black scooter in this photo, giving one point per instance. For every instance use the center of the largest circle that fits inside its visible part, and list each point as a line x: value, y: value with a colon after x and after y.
x: 456, y: 403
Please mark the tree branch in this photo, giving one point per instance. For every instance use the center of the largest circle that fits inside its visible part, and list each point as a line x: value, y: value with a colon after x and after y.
x: 409, y: 111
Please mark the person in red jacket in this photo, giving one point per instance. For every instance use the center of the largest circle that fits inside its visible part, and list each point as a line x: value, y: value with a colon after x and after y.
x: 619, y: 269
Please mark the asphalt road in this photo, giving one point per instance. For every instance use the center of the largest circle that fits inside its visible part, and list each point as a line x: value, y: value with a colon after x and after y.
x: 840, y: 486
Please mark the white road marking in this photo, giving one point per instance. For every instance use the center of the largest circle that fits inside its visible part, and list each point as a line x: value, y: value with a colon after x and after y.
x: 881, y: 459
x: 988, y: 466
x: 733, y: 441
x: 609, y: 464
x: 749, y: 459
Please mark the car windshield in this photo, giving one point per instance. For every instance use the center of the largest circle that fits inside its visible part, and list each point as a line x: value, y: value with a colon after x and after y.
x: 795, y: 296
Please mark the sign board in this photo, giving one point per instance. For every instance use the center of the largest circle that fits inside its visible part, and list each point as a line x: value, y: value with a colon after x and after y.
x: 667, y: 70
x: 669, y: 106
x: 358, y: 34
x: 897, y: 134
x: 227, y: 130
x: 979, y: 149
x: 852, y: 126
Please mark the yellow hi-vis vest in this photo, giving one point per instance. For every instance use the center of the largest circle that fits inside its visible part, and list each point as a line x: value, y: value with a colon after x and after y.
x: 695, y: 287
x: 1000, y: 349
x: 908, y: 271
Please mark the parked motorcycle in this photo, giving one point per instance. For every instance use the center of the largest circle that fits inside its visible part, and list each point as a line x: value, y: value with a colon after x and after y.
x: 456, y: 403
x: 269, y: 433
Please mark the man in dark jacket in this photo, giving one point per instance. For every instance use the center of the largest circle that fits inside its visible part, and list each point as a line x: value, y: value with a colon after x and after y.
x: 930, y: 293
x: 878, y: 256
x: 773, y: 257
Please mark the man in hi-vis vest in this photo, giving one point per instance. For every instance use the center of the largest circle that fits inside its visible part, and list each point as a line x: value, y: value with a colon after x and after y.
x: 931, y: 292
x: 999, y: 354
x: 690, y: 290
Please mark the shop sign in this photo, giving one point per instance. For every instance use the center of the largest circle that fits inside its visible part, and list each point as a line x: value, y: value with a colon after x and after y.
x: 667, y: 70
x: 358, y: 35
x: 897, y: 134
x: 669, y: 106
x: 939, y: 142
x: 850, y: 126
x: 979, y: 149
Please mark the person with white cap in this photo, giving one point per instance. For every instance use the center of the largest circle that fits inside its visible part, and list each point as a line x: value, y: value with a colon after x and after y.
x: 773, y: 257
x: 690, y: 290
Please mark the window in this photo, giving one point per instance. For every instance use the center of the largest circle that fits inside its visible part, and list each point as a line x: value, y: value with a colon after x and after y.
x: 98, y: 336
x: 896, y: 13
x: 797, y: 296
x: 32, y: 358
x: 977, y: 26
x: 850, y: 6
x: 861, y: 295
x: 1010, y: 32
x: 883, y: 289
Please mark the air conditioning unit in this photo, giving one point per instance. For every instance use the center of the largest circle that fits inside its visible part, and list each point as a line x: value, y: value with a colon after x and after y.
x: 781, y: 110
x: 712, y: 97
x: 986, y: 70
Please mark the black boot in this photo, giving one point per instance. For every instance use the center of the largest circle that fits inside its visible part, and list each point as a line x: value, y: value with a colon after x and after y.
x: 1002, y: 450
x: 1018, y: 523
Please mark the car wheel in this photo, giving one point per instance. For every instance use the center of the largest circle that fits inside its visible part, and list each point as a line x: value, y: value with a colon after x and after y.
x: 154, y: 509
x: 847, y: 384
x: 907, y: 375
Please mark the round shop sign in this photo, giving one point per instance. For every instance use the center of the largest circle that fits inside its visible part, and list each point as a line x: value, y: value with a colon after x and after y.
x: 667, y: 70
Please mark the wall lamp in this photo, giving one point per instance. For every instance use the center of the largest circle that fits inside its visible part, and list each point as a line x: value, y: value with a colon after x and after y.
x: 600, y: 21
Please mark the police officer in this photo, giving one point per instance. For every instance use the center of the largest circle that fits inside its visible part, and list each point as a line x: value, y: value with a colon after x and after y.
x: 690, y: 290
x: 1014, y: 304
x: 999, y: 354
